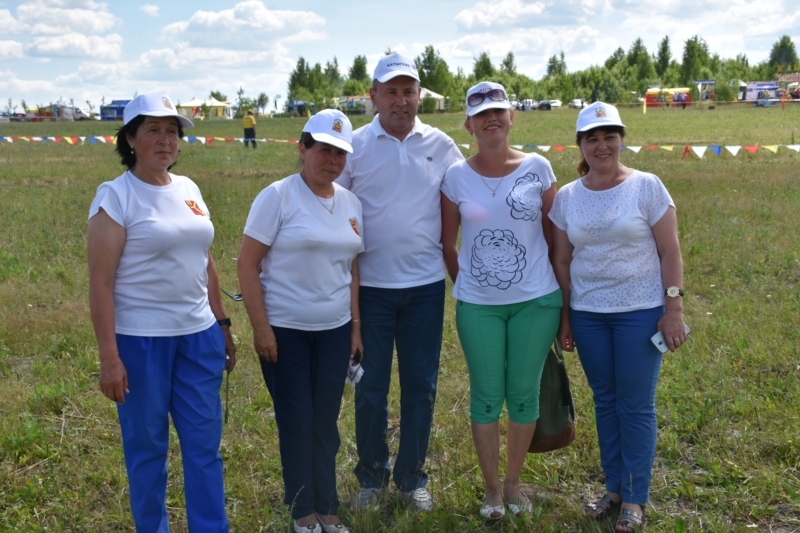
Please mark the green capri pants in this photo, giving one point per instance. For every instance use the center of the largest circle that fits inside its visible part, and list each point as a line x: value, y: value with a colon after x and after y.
x: 505, y: 347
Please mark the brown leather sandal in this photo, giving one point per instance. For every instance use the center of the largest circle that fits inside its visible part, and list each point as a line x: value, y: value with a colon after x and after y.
x: 630, y: 520
x: 601, y: 507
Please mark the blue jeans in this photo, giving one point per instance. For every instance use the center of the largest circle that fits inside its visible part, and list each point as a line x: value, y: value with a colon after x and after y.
x: 412, y: 319
x: 178, y: 376
x: 306, y: 385
x: 622, y: 368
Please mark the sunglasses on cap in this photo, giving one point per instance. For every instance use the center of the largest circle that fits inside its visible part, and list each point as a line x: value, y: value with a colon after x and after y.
x: 495, y: 95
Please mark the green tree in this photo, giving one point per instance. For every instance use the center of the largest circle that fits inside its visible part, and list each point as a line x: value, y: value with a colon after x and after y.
x: 642, y: 71
x: 483, y: 69
x: 508, y: 65
x: 262, y: 101
x: 663, y: 57
x: 331, y: 72
x: 616, y: 57
x: 434, y: 74
x: 695, y: 57
x: 353, y: 87
x: 783, y: 56
x: 358, y: 70
x: 556, y: 66
x: 217, y: 95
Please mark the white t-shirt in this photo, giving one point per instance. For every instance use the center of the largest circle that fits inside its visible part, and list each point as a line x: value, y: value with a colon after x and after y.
x: 398, y: 185
x: 503, y: 257
x: 615, y: 265
x: 161, y: 283
x: 305, y: 274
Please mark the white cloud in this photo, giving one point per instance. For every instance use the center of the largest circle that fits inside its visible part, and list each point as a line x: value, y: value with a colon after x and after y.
x: 247, y: 23
x: 497, y: 12
x: 60, y: 17
x: 150, y: 9
x: 10, y: 50
x: 76, y: 45
x: 8, y: 24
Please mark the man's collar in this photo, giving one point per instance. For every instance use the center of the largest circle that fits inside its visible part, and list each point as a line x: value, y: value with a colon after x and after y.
x: 377, y: 128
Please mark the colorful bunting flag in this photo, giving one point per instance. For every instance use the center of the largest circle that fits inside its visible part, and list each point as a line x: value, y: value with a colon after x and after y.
x: 699, y: 150
x: 544, y: 148
x: 558, y: 149
x: 771, y: 147
x: 716, y: 149
x: 751, y: 149
x: 634, y: 149
x: 733, y: 149
x: 686, y: 150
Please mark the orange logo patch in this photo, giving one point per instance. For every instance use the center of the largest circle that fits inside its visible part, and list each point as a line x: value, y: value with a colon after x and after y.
x: 337, y: 126
x: 600, y: 112
x: 167, y: 103
x: 195, y: 208
x: 354, y: 225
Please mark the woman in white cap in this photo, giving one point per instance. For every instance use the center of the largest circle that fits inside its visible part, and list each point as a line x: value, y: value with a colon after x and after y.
x: 508, y: 298
x: 161, y: 328
x: 299, y: 279
x: 618, y: 262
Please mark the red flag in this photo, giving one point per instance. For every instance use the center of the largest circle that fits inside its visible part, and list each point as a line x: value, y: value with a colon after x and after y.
x: 685, y: 151
x: 228, y: 139
x: 558, y: 149
x: 751, y: 149
x: 57, y: 140
x: 209, y: 140
x: 651, y: 148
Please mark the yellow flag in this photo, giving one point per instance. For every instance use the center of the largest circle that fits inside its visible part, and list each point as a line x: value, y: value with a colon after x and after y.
x: 772, y: 148
x: 644, y: 105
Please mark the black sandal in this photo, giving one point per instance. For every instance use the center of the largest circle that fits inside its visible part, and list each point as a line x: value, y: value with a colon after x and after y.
x: 630, y: 520
x: 602, y: 507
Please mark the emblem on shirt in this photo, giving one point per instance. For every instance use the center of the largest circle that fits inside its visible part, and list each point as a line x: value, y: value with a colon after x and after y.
x: 354, y: 225
x: 195, y: 208
x: 600, y: 112
x: 498, y: 259
x: 337, y: 126
x: 167, y: 103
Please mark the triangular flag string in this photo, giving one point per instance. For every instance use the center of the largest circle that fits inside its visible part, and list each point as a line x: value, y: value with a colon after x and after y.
x: 699, y: 150
x: 734, y: 150
x: 716, y: 149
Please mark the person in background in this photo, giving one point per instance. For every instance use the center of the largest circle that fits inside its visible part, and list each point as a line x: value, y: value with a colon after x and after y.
x: 161, y: 328
x: 299, y: 278
x: 396, y: 169
x: 618, y: 262
x: 508, y: 299
x: 249, y: 125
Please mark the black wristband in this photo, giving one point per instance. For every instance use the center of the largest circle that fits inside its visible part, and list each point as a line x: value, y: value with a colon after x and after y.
x: 224, y: 322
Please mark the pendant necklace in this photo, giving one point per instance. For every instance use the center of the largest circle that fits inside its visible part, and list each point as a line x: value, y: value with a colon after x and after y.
x: 494, y: 191
x: 333, y: 204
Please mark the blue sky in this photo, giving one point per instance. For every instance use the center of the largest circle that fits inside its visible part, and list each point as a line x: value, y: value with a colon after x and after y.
x: 85, y: 49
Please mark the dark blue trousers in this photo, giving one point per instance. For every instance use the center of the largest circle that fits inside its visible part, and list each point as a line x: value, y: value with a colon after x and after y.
x: 412, y: 319
x: 622, y: 368
x: 306, y: 385
x: 179, y: 377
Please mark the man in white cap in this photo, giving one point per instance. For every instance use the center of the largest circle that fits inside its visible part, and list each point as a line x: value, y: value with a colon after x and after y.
x: 396, y: 169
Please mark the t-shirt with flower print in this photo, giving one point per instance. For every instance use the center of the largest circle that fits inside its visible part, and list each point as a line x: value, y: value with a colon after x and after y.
x: 615, y: 265
x: 503, y: 257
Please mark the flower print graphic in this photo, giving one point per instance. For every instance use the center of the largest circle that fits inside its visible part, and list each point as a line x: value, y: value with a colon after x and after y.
x: 525, y: 197
x: 497, y: 259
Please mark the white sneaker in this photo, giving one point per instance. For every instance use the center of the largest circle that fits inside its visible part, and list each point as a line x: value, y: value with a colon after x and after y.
x: 367, y: 499
x: 419, y: 499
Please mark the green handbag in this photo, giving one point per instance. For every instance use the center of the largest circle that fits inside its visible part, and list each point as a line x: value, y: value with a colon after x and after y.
x: 556, y: 426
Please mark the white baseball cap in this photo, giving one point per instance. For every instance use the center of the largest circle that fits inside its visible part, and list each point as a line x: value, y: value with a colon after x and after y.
x: 490, y: 92
x: 331, y: 126
x: 597, y: 115
x: 155, y: 104
x: 395, y: 65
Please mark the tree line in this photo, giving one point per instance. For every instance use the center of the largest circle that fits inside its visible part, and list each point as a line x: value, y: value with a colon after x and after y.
x: 622, y: 77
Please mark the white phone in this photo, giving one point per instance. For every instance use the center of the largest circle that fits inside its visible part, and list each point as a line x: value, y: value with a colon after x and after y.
x: 661, y: 343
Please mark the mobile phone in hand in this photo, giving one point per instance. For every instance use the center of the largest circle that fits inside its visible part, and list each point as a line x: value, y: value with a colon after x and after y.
x: 661, y: 343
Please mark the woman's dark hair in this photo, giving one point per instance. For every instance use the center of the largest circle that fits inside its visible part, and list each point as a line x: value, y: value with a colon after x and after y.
x: 307, y: 140
x: 124, y: 149
x: 583, y: 166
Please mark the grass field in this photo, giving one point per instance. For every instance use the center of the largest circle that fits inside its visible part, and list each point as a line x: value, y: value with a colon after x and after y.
x: 728, y: 455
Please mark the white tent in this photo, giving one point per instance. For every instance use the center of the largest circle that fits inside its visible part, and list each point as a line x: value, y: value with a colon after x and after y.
x: 440, y: 100
x: 216, y: 108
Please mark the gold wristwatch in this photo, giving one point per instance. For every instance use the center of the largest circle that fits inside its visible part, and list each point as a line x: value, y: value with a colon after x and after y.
x: 673, y: 292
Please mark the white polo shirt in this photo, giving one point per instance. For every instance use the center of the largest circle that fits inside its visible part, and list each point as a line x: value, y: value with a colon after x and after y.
x: 398, y: 185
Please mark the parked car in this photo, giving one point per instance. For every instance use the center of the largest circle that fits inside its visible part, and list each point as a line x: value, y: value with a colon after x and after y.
x: 545, y: 105
x: 555, y: 103
x: 578, y: 103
